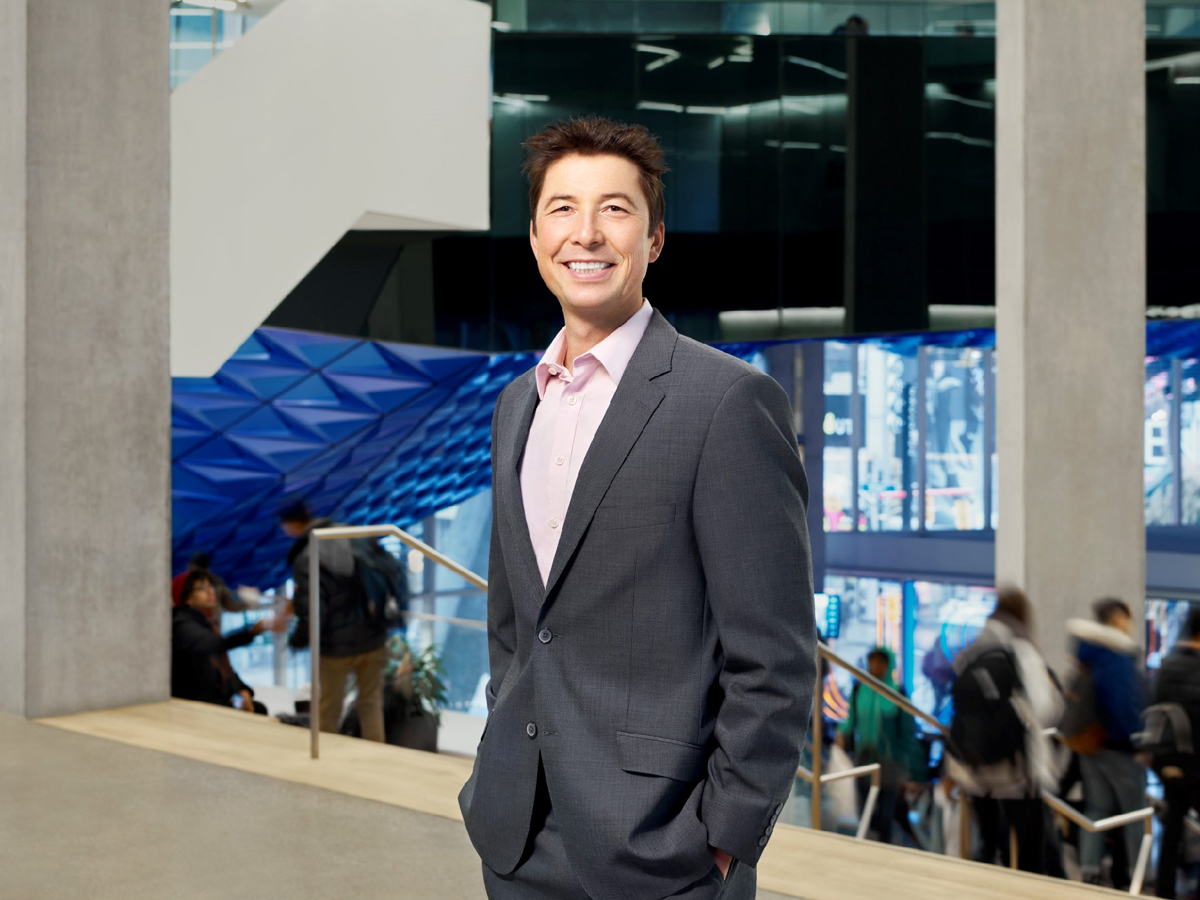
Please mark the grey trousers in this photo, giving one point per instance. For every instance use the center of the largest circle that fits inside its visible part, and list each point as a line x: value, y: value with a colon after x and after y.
x: 545, y: 872
x: 1113, y: 782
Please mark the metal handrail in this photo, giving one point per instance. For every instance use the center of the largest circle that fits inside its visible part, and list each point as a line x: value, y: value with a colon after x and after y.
x: 873, y: 769
x: 879, y: 687
x: 315, y: 536
x: 1146, y: 816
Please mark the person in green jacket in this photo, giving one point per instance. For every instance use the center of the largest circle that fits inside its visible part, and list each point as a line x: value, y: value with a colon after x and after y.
x: 877, y: 731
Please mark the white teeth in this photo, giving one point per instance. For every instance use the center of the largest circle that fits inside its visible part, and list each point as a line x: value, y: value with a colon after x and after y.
x: 588, y: 266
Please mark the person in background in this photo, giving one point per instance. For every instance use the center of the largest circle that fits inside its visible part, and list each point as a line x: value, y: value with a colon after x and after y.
x: 1023, y: 702
x: 1178, y: 682
x: 855, y: 26
x: 875, y: 730
x: 226, y: 599
x: 351, y: 639
x: 200, y: 668
x: 1113, y: 780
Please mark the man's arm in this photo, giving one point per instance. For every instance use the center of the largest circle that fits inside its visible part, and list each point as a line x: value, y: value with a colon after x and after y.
x: 502, y: 638
x: 749, y: 518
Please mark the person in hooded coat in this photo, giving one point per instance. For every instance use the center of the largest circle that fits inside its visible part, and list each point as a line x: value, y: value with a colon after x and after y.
x: 1113, y: 780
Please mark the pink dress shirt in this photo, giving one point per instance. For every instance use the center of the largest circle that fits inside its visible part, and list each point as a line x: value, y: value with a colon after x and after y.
x: 570, y: 408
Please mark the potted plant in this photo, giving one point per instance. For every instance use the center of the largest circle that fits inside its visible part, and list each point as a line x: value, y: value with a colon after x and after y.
x: 412, y: 689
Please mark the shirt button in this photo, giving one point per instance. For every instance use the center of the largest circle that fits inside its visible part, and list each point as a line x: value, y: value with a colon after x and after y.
x: 571, y: 400
x: 554, y: 523
x: 531, y: 730
x: 554, y: 370
x: 545, y: 636
x: 559, y: 461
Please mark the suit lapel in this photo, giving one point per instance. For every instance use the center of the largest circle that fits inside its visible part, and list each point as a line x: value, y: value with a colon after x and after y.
x: 636, y: 399
x: 507, y: 477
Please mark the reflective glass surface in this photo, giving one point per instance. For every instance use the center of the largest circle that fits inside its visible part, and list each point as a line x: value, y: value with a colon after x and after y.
x: 1157, y: 430
x: 1189, y: 422
x: 838, y: 426
x: 954, y: 449
x: 887, y: 459
x: 872, y: 614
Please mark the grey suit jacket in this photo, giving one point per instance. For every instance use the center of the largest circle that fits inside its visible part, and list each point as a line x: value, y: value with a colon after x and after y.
x: 665, y: 673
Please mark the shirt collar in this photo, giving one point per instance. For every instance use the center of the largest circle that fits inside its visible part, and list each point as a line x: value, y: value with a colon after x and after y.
x: 614, y: 352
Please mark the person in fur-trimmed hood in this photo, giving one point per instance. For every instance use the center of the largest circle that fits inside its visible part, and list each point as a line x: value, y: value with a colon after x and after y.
x: 1113, y: 780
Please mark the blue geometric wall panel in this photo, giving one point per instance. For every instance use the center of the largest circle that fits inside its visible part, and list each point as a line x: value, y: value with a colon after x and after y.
x: 371, y: 432
x: 363, y: 431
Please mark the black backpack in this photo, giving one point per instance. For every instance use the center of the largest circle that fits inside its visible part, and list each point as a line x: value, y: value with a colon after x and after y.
x: 986, y: 728
x: 382, y: 579
x: 1166, y: 733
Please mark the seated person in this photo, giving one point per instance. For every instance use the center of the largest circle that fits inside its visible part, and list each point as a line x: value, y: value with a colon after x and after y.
x: 200, y: 668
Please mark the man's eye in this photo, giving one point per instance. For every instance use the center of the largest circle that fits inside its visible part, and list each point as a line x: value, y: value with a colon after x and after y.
x: 617, y: 208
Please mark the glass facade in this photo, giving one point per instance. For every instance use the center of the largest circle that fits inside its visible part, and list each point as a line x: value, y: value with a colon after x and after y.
x: 199, y: 35
x: 935, y: 18
x: 909, y: 453
x: 922, y: 446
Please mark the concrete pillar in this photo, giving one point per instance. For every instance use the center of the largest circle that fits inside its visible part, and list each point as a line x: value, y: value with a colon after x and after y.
x: 1070, y: 297
x: 84, y: 377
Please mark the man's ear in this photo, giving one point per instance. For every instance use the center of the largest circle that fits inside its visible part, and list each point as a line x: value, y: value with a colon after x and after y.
x: 657, y: 239
x: 532, y: 238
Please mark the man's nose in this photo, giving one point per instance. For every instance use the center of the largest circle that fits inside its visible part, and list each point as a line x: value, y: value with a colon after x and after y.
x: 587, y: 230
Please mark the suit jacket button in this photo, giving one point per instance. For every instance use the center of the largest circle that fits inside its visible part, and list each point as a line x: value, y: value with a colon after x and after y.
x: 531, y: 730
x: 544, y: 635
x: 762, y: 841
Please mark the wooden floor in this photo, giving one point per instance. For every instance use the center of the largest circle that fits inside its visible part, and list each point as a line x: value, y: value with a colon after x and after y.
x: 797, y: 863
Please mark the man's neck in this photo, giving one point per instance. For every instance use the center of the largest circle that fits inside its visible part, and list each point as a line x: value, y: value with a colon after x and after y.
x: 582, y: 334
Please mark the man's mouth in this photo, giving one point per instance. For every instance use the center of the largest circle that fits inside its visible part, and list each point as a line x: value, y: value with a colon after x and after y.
x: 589, y: 267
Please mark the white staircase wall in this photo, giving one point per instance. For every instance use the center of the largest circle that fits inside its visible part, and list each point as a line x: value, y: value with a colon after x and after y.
x: 328, y: 115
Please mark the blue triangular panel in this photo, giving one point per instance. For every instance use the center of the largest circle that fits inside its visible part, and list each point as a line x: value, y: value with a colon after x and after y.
x: 314, y: 350
x: 437, y: 363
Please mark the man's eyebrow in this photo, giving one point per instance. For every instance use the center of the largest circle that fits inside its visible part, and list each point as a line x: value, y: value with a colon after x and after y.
x: 619, y: 196
x: 615, y: 195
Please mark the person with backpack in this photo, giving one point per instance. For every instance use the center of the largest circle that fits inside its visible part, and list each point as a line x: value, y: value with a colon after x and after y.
x: 1105, y: 699
x: 1170, y: 741
x: 353, y: 626
x: 1004, y: 698
x: 875, y: 730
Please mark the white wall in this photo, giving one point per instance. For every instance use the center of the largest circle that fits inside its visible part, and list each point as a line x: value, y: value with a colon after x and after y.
x: 325, y: 115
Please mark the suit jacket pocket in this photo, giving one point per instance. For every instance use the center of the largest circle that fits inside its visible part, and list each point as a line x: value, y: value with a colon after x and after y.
x: 633, y: 516
x: 646, y: 754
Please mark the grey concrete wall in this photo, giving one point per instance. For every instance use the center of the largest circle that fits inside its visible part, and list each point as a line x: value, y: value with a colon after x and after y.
x: 93, y: 472
x: 1071, y: 269
x: 12, y: 354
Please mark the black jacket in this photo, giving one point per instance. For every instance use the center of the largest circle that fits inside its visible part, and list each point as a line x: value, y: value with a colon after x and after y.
x: 1178, y: 681
x: 346, y: 628
x: 196, y: 651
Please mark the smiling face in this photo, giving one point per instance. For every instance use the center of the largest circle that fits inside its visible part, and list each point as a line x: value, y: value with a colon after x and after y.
x: 592, y: 237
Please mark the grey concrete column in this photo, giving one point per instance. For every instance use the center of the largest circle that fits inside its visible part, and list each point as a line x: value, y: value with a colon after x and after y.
x: 84, y: 376
x: 1070, y: 297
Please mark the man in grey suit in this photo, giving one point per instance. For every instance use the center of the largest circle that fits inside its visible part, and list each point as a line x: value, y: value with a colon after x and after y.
x: 650, y: 605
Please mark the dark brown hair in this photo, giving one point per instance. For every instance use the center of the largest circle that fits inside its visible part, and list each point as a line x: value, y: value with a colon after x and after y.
x: 1014, y: 603
x: 195, y: 577
x: 1106, y: 610
x: 597, y: 136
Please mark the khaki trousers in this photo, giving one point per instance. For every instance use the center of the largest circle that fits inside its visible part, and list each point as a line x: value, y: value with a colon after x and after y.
x: 368, y: 676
